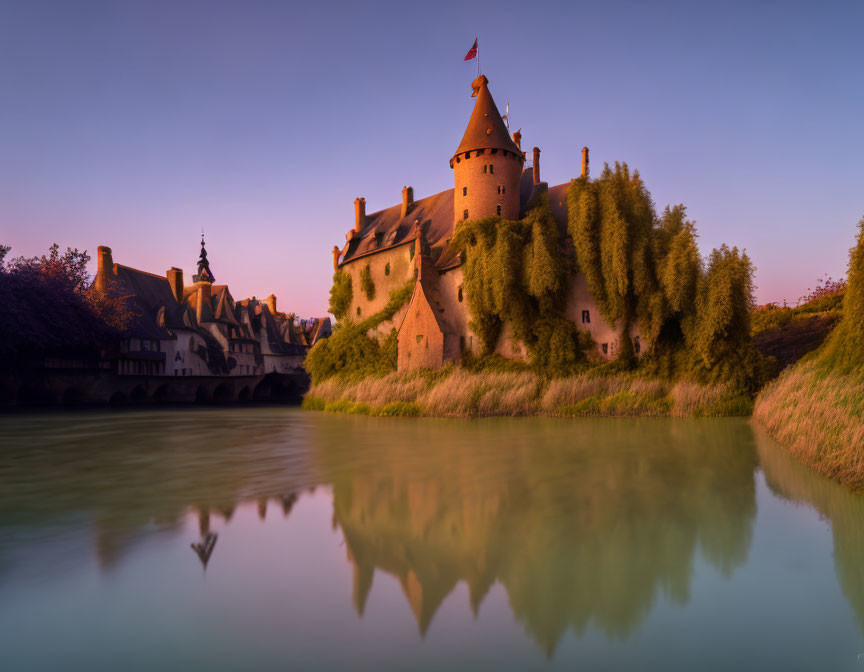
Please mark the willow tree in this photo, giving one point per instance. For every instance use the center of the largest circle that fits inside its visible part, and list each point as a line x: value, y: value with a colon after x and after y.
x: 718, y: 332
x: 611, y: 222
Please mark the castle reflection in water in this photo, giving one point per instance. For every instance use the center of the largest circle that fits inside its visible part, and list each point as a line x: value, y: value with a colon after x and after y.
x: 587, y: 528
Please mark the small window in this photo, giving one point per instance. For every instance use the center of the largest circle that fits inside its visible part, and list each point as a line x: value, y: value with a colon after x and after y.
x: 358, y: 313
x: 503, y: 189
x: 499, y: 210
x: 464, y: 191
x: 465, y: 215
x: 491, y: 169
x: 387, y: 268
x: 460, y: 294
x: 586, y: 317
x: 485, y: 168
x: 499, y: 188
x: 605, y: 348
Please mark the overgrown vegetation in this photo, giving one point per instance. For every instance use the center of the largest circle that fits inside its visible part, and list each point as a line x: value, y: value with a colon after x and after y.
x: 50, y: 306
x: 351, y: 351
x: 366, y: 283
x: 341, y: 295
x: 816, y: 408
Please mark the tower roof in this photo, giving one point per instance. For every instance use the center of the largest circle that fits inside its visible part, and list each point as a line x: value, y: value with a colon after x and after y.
x: 204, y: 272
x: 486, y: 129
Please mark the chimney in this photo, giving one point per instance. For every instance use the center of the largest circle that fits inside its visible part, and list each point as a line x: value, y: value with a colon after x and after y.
x: 517, y: 138
x: 359, y: 214
x: 336, y: 253
x: 407, y: 200
x: 271, y: 303
x: 585, y: 162
x: 175, y: 281
x: 204, y: 300
x: 536, y: 165
x: 105, y: 268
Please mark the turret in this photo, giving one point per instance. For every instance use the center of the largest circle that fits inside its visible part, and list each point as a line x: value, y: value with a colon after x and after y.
x: 487, y: 166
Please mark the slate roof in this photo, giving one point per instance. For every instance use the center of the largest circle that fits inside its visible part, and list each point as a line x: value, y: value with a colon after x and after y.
x: 486, y: 128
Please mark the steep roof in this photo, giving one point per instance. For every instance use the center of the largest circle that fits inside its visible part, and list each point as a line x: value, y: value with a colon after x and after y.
x: 486, y: 129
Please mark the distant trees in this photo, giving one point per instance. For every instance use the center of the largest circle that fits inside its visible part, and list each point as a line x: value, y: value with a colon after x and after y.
x: 49, y: 305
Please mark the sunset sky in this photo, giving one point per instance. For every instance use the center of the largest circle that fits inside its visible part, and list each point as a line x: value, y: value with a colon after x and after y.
x: 135, y: 124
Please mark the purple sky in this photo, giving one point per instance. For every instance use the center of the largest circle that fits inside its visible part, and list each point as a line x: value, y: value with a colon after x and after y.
x: 134, y: 124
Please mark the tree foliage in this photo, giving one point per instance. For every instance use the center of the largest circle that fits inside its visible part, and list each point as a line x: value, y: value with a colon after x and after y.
x: 50, y: 306
x: 341, y: 294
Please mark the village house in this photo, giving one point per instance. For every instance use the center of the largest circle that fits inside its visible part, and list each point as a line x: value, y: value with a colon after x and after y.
x: 413, y: 239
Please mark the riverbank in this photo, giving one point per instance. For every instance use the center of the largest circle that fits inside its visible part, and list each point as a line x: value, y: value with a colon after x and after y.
x: 816, y: 414
x: 454, y: 392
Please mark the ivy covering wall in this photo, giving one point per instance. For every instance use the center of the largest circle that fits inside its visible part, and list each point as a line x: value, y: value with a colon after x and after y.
x: 366, y: 283
x: 341, y: 294
x: 351, y: 351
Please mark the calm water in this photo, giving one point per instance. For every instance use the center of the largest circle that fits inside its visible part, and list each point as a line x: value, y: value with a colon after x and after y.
x: 277, y: 539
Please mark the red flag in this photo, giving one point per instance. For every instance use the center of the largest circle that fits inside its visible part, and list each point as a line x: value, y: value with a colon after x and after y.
x: 472, y: 52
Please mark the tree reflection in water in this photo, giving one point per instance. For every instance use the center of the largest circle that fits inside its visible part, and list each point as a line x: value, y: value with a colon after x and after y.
x: 581, y: 523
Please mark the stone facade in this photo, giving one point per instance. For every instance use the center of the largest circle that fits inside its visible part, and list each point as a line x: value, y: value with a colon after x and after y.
x: 413, y: 239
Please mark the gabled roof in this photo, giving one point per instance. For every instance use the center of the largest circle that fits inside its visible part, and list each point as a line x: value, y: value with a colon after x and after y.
x: 486, y: 129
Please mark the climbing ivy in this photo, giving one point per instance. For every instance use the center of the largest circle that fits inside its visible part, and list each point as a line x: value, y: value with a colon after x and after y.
x: 351, y: 351
x: 514, y: 272
x: 366, y: 283
x: 341, y: 294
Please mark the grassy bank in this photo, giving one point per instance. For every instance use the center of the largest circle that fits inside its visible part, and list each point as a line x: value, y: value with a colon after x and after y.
x: 816, y: 407
x: 816, y: 413
x: 455, y: 392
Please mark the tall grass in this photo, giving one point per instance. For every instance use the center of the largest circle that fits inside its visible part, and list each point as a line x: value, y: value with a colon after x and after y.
x: 818, y: 414
x: 455, y: 392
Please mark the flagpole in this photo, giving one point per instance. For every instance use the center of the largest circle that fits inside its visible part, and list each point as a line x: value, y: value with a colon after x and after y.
x: 477, y: 40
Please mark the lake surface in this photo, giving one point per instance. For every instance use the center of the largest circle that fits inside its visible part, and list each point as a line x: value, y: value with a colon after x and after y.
x: 241, y: 539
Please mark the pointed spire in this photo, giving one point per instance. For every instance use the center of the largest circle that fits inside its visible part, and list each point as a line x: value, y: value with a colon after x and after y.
x: 486, y: 128
x: 204, y: 272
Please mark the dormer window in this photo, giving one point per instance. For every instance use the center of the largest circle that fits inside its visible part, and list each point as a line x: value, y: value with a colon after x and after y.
x: 379, y: 238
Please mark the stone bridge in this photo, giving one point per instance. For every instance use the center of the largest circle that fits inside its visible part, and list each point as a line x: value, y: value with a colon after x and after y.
x: 83, y: 388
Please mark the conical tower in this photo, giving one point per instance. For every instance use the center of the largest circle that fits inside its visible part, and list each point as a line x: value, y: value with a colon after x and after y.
x: 487, y: 167
x: 204, y: 272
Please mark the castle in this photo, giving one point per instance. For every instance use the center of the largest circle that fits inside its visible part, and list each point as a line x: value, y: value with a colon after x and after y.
x: 414, y: 239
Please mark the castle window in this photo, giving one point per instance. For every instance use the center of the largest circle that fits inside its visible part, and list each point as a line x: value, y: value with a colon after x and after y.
x: 586, y: 317
x: 605, y: 348
x: 460, y: 294
x: 494, y: 151
x: 464, y: 191
x: 485, y: 168
x: 465, y: 215
x: 358, y: 311
x: 499, y: 210
x: 491, y: 169
x: 502, y: 189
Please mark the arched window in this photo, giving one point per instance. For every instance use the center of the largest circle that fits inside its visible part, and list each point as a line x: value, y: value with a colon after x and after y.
x: 491, y: 168
x: 465, y: 215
